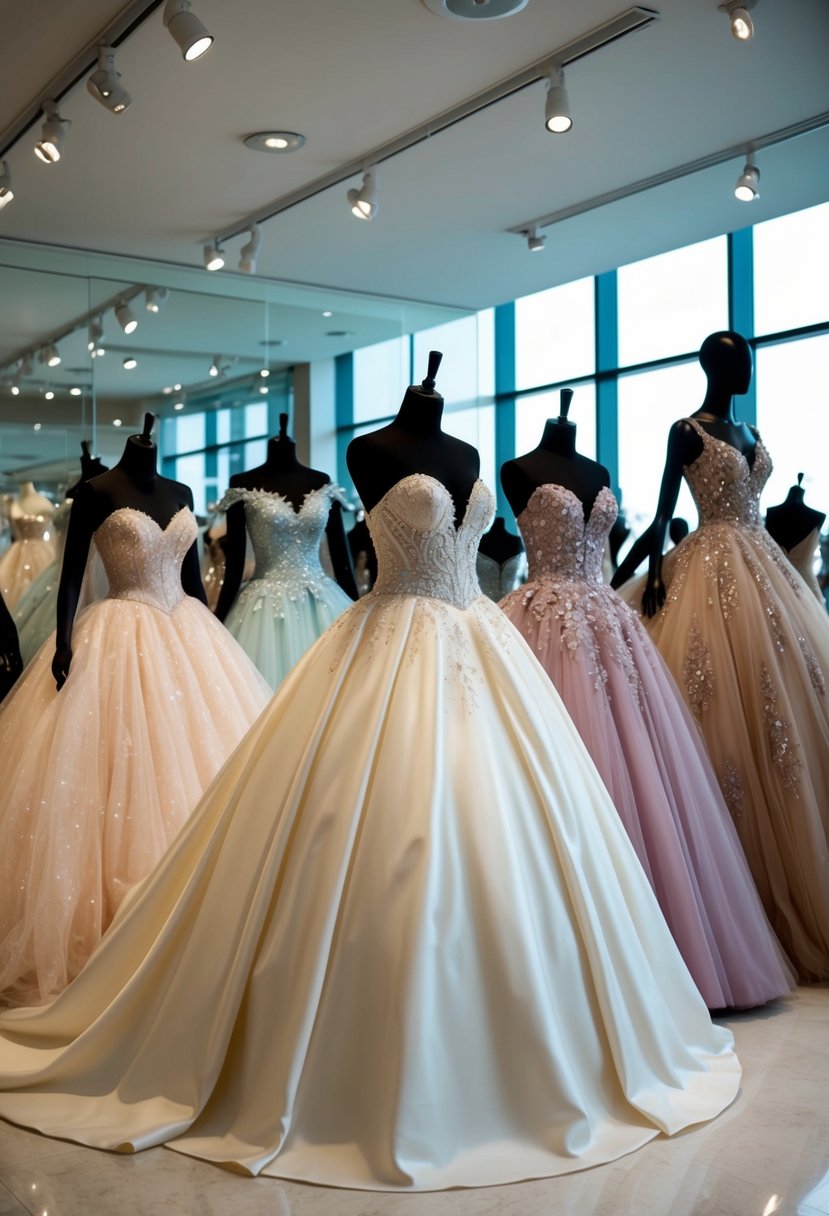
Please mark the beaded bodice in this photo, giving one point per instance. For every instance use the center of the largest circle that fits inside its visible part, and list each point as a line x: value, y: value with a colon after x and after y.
x: 419, y: 549
x: 286, y: 542
x: 32, y: 527
x: 497, y: 579
x: 143, y: 560
x: 725, y: 488
x: 559, y: 541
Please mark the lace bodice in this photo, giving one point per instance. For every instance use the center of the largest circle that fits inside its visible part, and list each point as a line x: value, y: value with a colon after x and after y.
x: 559, y: 540
x: 497, y: 579
x: 725, y: 488
x: 142, y: 560
x: 32, y: 527
x: 419, y: 549
x: 286, y: 542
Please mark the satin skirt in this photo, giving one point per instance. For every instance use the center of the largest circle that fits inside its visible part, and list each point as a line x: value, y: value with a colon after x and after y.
x: 402, y: 943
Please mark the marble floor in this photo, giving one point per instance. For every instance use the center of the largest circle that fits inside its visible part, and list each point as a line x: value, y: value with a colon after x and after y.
x: 768, y: 1154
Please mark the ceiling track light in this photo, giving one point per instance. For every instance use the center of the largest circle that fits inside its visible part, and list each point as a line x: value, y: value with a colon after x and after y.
x: 739, y: 15
x: 747, y: 187
x: 216, y: 366
x: 250, y: 250
x: 364, y: 202
x: 105, y: 83
x: 156, y: 298
x: 187, y: 30
x: 557, y: 118
x: 48, y: 392
x: 212, y: 256
x: 130, y: 363
x: 6, y: 192
x: 52, y: 134
x: 535, y: 243
x: 50, y: 355
x: 26, y: 365
x: 126, y: 318
x: 14, y: 387
x: 95, y: 345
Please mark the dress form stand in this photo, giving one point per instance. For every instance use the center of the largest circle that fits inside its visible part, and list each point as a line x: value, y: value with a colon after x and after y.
x: 796, y: 528
x: 30, y: 502
x: 499, y: 543
x: 91, y: 467
x: 133, y: 483
x: 414, y: 443
x: 554, y: 462
x: 725, y: 357
x: 282, y: 475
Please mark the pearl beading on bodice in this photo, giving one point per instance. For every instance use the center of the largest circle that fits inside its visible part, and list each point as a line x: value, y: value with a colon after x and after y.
x: 143, y: 560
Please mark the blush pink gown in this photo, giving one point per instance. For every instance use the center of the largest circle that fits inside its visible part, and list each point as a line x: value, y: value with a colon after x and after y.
x: 646, y: 747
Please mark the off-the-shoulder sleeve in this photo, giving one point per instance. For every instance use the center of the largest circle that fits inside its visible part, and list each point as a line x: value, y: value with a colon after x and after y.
x: 233, y: 495
x: 338, y: 494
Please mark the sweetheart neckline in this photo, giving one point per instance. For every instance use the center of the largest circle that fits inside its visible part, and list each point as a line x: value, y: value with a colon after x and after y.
x: 456, y: 528
x: 566, y: 490
x: 146, y: 514
x: 275, y: 494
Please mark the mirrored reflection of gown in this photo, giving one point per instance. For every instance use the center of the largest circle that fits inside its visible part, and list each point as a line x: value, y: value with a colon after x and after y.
x: 803, y: 556
x: 31, y: 551
x: 97, y: 779
x: 290, y: 600
x: 643, y: 741
x: 497, y: 579
x: 749, y: 647
x: 421, y: 948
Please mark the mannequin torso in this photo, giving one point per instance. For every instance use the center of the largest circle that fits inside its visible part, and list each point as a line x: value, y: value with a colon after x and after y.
x: 791, y: 521
x: 499, y: 544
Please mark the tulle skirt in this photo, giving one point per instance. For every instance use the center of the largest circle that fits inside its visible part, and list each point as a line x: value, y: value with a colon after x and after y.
x: 403, y: 943
x: 36, y: 609
x: 21, y: 564
x: 96, y: 780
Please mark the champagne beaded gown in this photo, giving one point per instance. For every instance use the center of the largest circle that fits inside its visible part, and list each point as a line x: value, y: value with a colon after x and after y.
x: 96, y: 780
x: 748, y: 644
x: 31, y: 551
x: 646, y: 747
x: 290, y: 600
x: 403, y: 943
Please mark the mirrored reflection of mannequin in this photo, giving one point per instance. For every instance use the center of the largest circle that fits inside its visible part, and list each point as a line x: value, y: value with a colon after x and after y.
x: 749, y: 647
x: 33, y: 544
x: 634, y: 723
x: 796, y: 528
x: 501, y: 562
x: 362, y: 554
x: 11, y: 663
x: 153, y: 694
x: 286, y: 508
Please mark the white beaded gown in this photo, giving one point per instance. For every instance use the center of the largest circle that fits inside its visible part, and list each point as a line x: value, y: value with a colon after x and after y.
x: 748, y: 645
x: 96, y: 780
x: 290, y: 600
x: 403, y: 943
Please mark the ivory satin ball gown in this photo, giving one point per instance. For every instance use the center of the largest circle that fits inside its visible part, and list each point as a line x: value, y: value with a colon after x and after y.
x: 642, y: 739
x: 290, y: 600
x: 404, y: 941
x: 748, y: 645
x: 97, y: 779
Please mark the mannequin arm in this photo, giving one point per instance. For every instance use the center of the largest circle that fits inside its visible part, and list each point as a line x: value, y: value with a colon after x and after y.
x: 235, y: 541
x: 675, y: 461
x: 339, y: 551
x: 637, y: 553
x: 191, y: 575
x: 83, y: 521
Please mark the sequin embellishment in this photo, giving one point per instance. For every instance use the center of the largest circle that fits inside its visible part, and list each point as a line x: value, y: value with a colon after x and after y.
x: 783, y: 751
x: 698, y: 672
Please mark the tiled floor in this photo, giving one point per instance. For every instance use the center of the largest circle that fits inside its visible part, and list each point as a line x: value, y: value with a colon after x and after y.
x: 768, y: 1154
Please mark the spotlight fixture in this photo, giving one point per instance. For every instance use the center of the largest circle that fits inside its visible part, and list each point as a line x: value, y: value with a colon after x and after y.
x: 747, y: 188
x: 364, y: 202
x: 250, y: 250
x: 263, y: 389
x: 216, y: 366
x: 187, y: 30
x: 212, y: 256
x: 50, y: 355
x: 328, y: 313
x: 37, y: 426
x: 130, y: 363
x: 737, y: 11
x: 49, y: 394
x: 126, y: 318
x: 52, y: 134
x: 557, y: 109
x: 75, y: 391
x: 535, y: 243
x: 6, y: 192
x: 166, y: 391
x: 265, y: 372
x: 178, y: 405
x: 117, y: 422
x: 105, y: 83
x: 176, y: 388
x: 14, y: 387
x: 156, y: 298
x: 95, y: 345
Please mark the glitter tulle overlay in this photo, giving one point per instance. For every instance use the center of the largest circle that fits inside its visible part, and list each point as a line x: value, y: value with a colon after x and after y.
x: 290, y: 600
x: 634, y: 723
x: 421, y: 948
x: 96, y: 780
x: 32, y: 549
x: 748, y: 644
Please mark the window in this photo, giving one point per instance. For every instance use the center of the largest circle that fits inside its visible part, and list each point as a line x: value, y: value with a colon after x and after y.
x: 476, y: 426
x: 793, y: 418
x: 459, y: 378
x: 791, y: 270
x: 381, y: 374
x: 555, y: 335
x: 533, y: 411
x: 189, y: 433
x: 190, y: 470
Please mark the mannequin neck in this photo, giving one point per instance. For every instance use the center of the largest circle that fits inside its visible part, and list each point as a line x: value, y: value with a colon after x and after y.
x: 139, y: 459
x: 281, y: 457
x: 719, y: 401
x: 796, y: 495
x: 499, y: 526
x: 559, y: 437
x: 26, y: 489
x: 420, y: 413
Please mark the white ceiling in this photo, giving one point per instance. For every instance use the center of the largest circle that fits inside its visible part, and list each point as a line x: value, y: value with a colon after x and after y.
x: 140, y: 191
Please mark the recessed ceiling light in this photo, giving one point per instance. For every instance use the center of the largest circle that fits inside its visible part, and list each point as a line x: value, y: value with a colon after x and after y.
x: 263, y: 388
x: 176, y: 388
x: 339, y: 333
x: 75, y: 391
x: 274, y: 141
x: 178, y: 405
x: 49, y: 394
x: 130, y: 363
x: 264, y: 373
x: 117, y: 422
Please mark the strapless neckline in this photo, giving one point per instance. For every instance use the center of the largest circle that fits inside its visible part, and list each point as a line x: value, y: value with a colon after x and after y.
x: 478, y: 482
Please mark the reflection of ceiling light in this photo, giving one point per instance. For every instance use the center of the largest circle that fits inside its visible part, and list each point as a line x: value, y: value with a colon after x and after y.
x: 274, y: 141
x: 117, y: 422
x: 178, y: 405
x: 6, y: 192
x: 15, y: 388
x: 364, y: 202
x: 176, y: 388
x: 167, y: 390
x: 75, y: 391
x: 126, y: 318
x: 557, y: 108
x: 250, y: 250
x: 50, y: 355
x: 187, y: 30
x: 105, y: 83
x: 216, y: 366
x: 52, y: 134
x: 130, y: 363
x: 263, y: 389
x: 264, y: 373
x: 212, y: 256
x: 747, y: 188
x: 36, y: 426
x: 156, y: 298
x: 49, y: 394
x: 737, y: 11
x: 535, y: 243
x: 328, y: 313
x: 95, y: 345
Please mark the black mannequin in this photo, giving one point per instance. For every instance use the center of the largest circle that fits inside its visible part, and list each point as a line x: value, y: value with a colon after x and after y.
x: 678, y: 529
x: 414, y: 443
x: 618, y: 535
x: 554, y: 462
x: 281, y: 474
x: 792, y: 521
x: 499, y: 544
x: 725, y: 358
x: 11, y: 663
x: 360, y: 545
x: 91, y: 467
x: 135, y: 483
